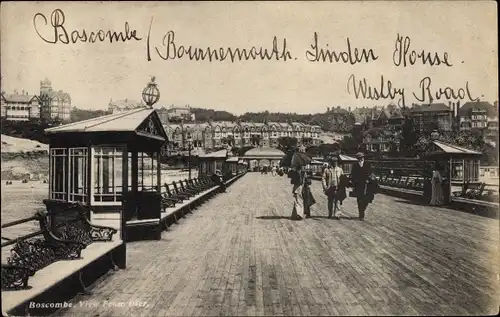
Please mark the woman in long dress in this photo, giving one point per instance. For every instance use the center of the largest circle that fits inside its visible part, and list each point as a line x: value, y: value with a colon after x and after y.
x: 297, y: 180
x: 437, y: 196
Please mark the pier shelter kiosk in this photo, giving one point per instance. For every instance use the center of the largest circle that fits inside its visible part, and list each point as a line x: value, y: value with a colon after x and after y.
x: 263, y: 156
x: 461, y: 165
x: 232, y: 164
x: 209, y: 163
x: 346, y: 162
x: 111, y: 164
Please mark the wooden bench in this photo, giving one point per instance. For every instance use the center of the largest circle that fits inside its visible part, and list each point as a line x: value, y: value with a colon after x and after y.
x: 180, y: 190
x: 395, y: 181
x: 475, y: 191
x: 72, y: 254
x: 403, y: 181
x: 167, y: 201
x: 383, y: 179
x: 186, y: 185
x: 411, y: 183
x: 69, y: 221
x: 463, y: 191
x: 55, y: 283
x: 200, y: 184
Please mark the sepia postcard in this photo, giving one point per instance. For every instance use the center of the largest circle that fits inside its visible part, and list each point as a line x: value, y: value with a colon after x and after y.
x: 249, y: 158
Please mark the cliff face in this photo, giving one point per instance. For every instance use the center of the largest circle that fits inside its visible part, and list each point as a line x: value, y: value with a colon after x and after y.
x: 23, y: 158
x: 31, y: 165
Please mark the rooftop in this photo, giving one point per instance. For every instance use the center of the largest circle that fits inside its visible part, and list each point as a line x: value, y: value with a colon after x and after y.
x: 441, y: 148
x: 127, y: 121
x: 434, y: 107
x: 264, y: 152
x: 478, y: 105
x: 125, y: 104
x: 16, y: 97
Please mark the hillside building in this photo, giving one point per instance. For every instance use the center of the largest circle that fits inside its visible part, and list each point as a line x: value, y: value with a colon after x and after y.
x: 479, y: 115
x: 123, y: 105
x: 54, y: 104
x: 19, y: 106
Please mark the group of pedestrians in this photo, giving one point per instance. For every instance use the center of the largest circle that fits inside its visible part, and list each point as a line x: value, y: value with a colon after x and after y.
x: 335, y: 183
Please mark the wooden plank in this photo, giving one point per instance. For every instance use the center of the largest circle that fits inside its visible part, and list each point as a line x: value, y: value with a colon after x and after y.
x: 239, y: 254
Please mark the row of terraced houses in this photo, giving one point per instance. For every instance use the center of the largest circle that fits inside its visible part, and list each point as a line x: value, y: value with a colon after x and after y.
x: 210, y: 135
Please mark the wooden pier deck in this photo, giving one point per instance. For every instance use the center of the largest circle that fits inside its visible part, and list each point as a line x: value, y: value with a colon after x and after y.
x: 239, y: 254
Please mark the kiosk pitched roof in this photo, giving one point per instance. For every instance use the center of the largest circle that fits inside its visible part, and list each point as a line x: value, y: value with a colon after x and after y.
x: 122, y: 121
x: 445, y: 149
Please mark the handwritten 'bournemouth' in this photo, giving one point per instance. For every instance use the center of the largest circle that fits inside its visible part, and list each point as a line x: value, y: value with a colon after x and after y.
x: 170, y: 50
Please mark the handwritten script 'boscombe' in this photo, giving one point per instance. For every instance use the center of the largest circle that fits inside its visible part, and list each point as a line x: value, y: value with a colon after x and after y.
x: 403, y: 56
x: 57, y: 19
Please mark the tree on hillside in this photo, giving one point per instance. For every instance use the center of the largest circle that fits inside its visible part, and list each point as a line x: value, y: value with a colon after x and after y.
x: 408, y: 137
x: 204, y: 115
x: 85, y: 114
x: 313, y: 151
x: 350, y: 145
x: 357, y: 133
x: 328, y: 149
x: 33, y: 130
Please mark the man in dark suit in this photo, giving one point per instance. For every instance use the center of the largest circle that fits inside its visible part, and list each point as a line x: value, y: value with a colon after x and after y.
x: 360, y: 177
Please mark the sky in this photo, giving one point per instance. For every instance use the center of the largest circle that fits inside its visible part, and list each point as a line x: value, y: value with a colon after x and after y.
x: 95, y: 73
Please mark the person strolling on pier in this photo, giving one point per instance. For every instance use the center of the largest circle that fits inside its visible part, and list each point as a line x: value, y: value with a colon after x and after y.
x: 296, y: 161
x: 302, y: 195
x: 361, y: 178
x: 437, y: 196
x: 273, y: 170
x: 331, y: 181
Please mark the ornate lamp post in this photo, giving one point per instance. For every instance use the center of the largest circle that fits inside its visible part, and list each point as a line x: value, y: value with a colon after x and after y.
x: 189, y: 142
x: 151, y: 94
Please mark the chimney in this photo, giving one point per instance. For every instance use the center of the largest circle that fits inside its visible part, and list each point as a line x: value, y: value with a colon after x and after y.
x: 349, y: 108
x: 22, y: 92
